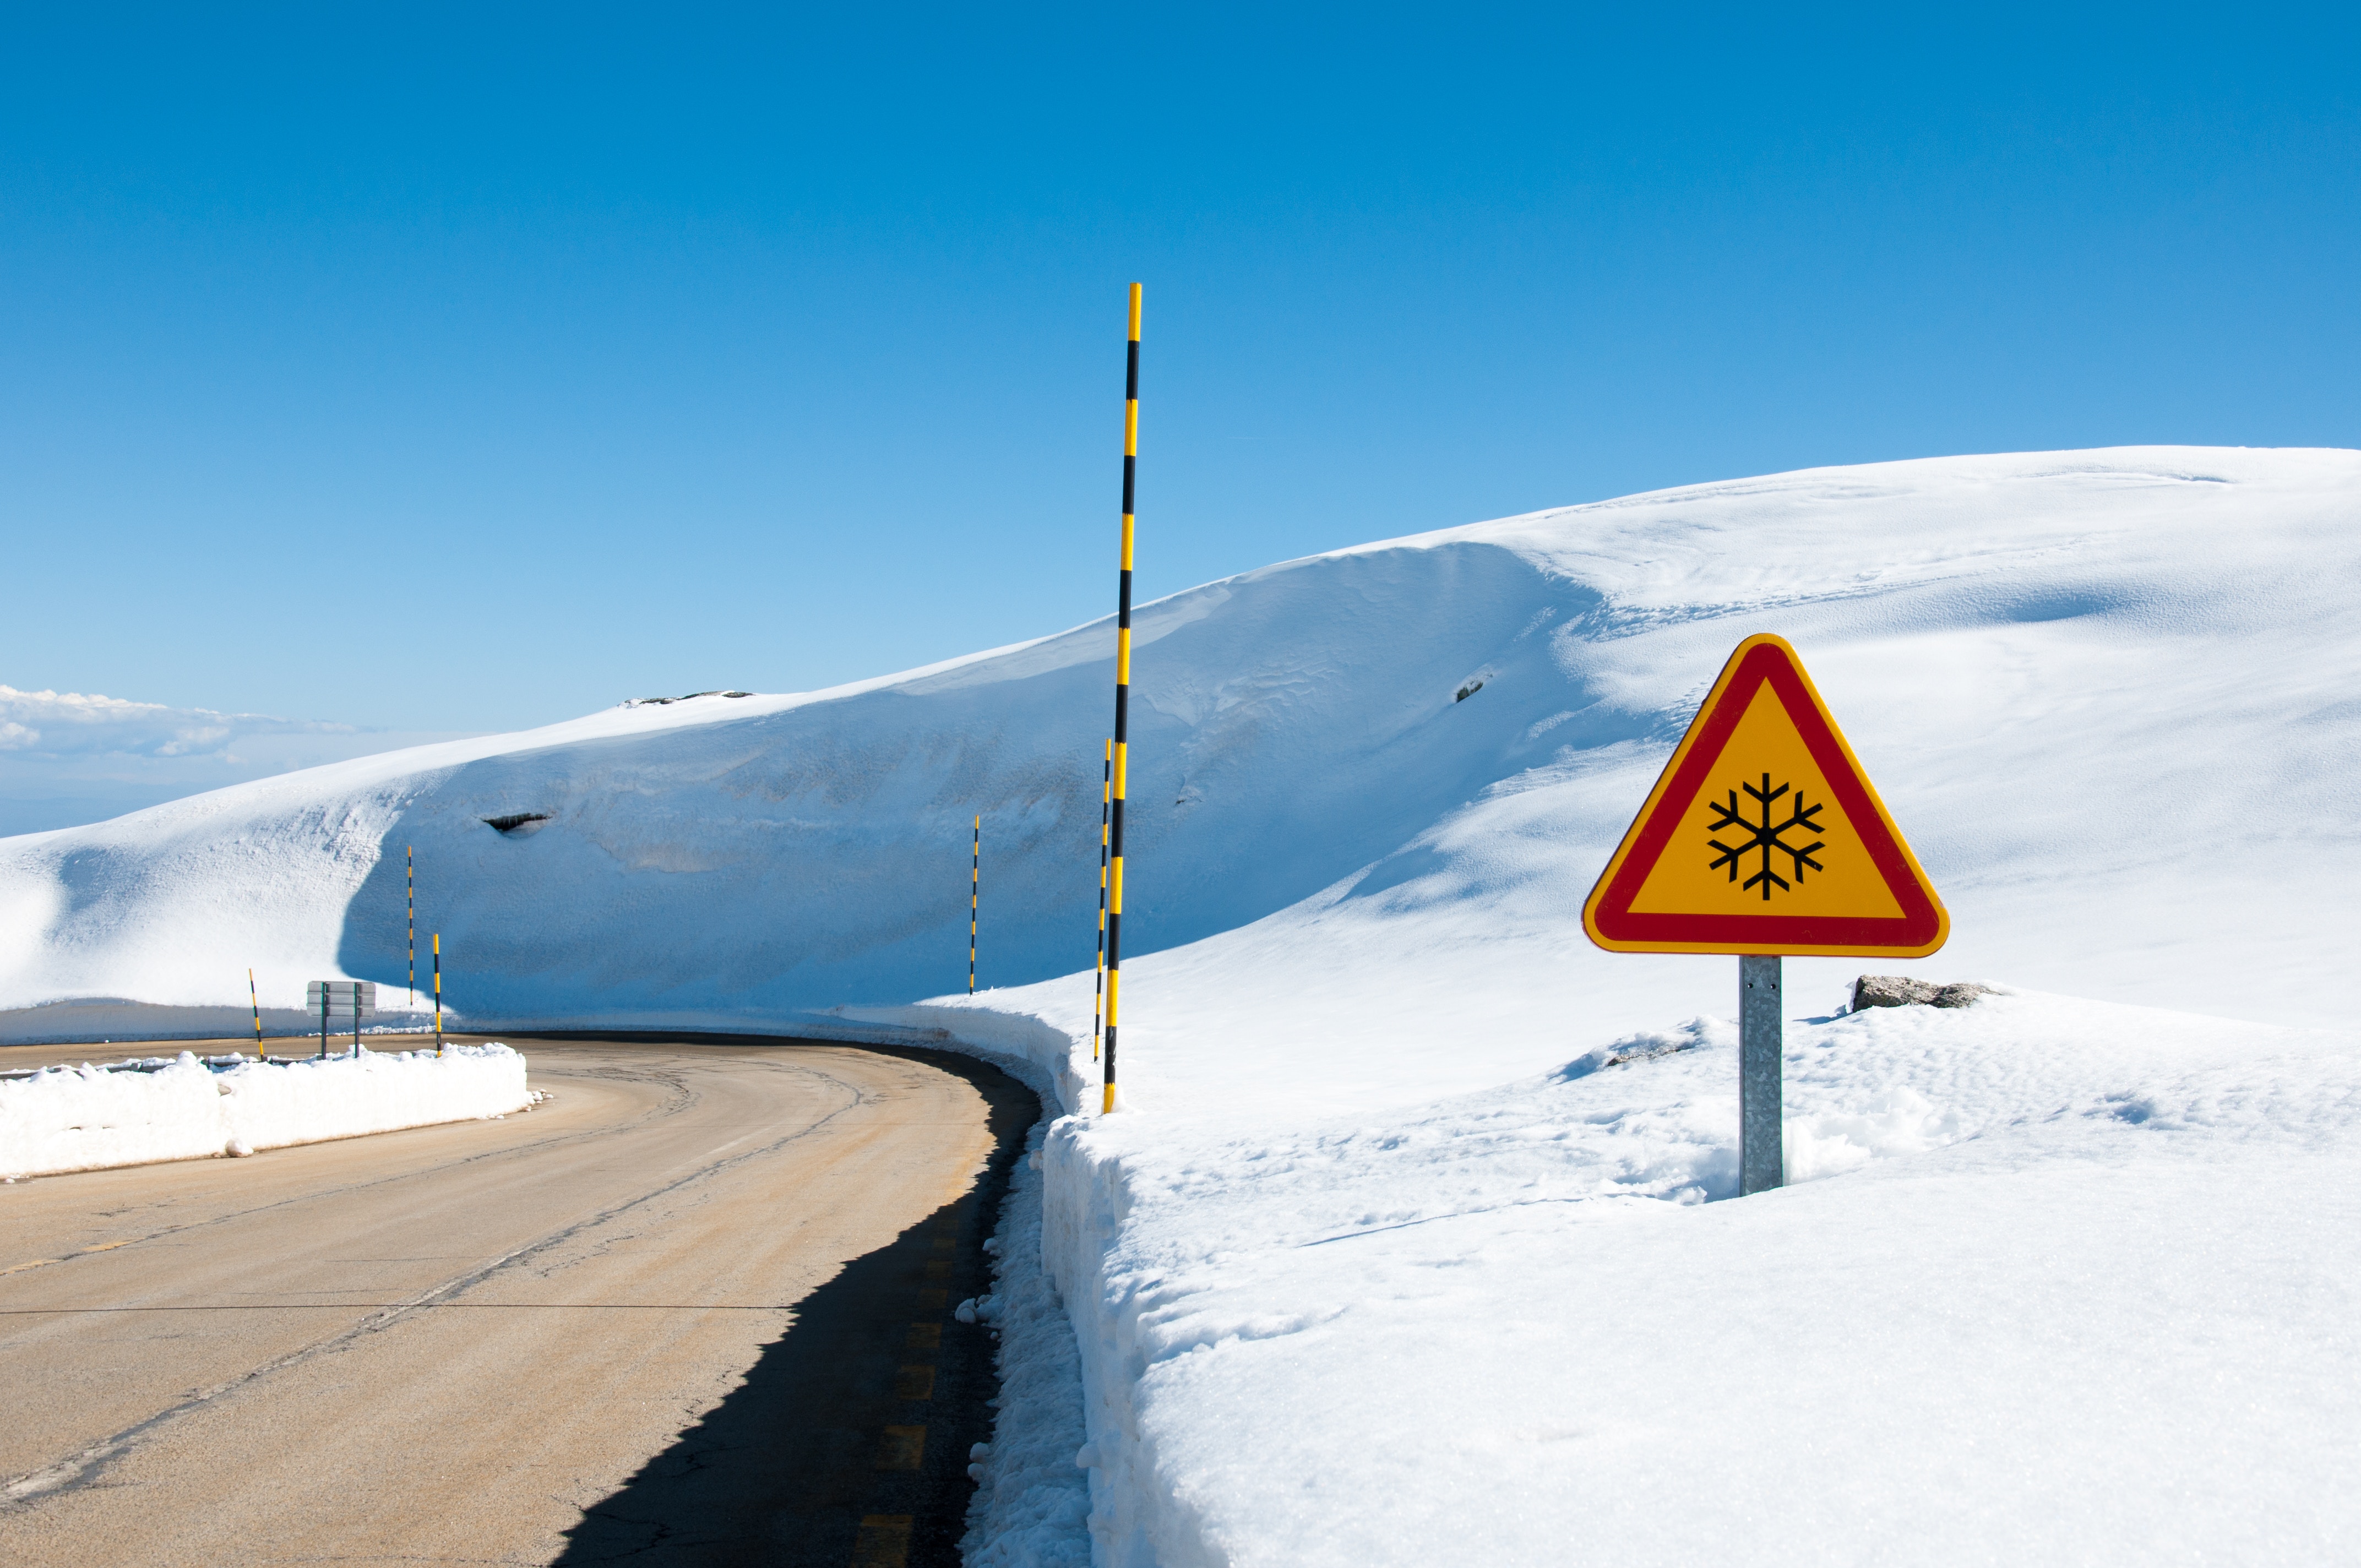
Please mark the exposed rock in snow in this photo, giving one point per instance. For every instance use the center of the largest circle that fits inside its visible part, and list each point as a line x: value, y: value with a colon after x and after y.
x: 1901, y: 991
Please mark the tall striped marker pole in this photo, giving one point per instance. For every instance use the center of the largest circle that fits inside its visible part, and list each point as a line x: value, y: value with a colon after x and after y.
x: 1098, y: 997
x: 256, y: 997
x: 438, y: 993
x: 1120, y: 764
x: 409, y: 919
x: 974, y: 888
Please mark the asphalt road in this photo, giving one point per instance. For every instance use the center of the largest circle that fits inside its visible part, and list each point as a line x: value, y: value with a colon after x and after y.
x: 695, y: 1308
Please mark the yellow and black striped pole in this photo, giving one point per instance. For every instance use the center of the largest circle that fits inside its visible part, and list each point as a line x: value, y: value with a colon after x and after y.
x: 256, y: 997
x: 409, y: 919
x: 438, y: 993
x: 974, y: 888
x: 1098, y: 997
x: 1120, y: 765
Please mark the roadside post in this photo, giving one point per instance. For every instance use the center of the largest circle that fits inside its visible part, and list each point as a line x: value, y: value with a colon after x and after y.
x: 359, y: 994
x: 974, y: 891
x: 1763, y: 837
x: 1098, y: 990
x: 438, y: 993
x: 256, y: 997
x: 1119, y: 764
x: 410, y: 921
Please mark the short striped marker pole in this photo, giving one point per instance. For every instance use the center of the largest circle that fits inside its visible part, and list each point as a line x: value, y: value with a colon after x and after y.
x: 1119, y: 765
x: 438, y: 993
x: 1098, y: 996
x: 256, y: 997
x: 410, y: 920
x: 974, y: 889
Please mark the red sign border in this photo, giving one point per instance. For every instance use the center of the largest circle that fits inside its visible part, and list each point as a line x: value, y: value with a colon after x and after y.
x: 1923, y: 924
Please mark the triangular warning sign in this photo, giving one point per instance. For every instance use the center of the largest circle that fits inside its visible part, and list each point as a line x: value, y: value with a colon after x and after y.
x: 1765, y: 835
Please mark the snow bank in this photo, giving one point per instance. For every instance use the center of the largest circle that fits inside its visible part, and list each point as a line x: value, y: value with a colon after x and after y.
x: 1032, y: 1505
x: 2055, y: 1279
x: 89, y: 1118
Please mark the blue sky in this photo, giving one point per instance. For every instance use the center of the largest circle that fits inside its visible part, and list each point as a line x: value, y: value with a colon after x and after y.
x: 434, y: 369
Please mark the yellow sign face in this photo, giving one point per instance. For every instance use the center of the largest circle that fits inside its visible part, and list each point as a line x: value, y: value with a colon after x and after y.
x: 1764, y: 836
x: 1767, y: 831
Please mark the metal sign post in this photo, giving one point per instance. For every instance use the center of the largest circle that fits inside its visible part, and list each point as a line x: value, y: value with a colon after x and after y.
x: 1763, y: 837
x: 360, y: 995
x: 1761, y: 1091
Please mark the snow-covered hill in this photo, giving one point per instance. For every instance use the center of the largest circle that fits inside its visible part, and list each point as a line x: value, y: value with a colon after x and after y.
x: 2109, y: 696
x: 1383, y: 1247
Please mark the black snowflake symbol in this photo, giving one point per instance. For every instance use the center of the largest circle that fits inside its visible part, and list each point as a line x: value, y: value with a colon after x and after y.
x: 1767, y: 836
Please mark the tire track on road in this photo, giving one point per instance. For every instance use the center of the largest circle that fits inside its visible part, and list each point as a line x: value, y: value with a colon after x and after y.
x: 86, y: 1467
x: 682, y: 1100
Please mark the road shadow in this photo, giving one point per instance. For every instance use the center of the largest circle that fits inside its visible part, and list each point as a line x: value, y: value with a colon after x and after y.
x: 865, y: 1408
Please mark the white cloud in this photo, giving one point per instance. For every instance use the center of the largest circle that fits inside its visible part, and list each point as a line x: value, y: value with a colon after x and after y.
x: 69, y: 758
x: 72, y: 724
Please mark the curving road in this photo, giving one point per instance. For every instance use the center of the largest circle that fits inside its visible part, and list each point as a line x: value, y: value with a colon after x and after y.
x: 695, y: 1308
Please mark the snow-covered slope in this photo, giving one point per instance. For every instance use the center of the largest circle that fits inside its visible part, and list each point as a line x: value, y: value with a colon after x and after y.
x: 2109, y: 696
x: 1392, y: 1258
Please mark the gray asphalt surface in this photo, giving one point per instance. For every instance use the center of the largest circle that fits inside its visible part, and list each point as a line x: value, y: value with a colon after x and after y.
x: 697, y: 1308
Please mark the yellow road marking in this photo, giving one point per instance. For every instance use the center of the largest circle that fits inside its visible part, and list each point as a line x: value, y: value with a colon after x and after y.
x: 902, y: 1448
x: 925, y: 1337
x: 914, y: 1382
x: 37, y: 1263
x: 883, y: 1542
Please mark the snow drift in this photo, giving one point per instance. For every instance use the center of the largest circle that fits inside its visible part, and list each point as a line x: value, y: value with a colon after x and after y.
x: 89, y: 1118
x: 2114, y: 681
x: 1408, y: 1248
x: 2053, y: 1280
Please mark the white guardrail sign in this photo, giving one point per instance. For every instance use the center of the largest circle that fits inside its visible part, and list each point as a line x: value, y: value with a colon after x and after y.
x: 356, y: 997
